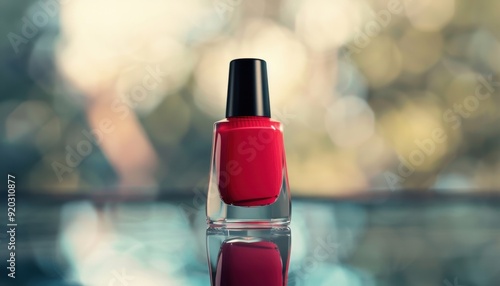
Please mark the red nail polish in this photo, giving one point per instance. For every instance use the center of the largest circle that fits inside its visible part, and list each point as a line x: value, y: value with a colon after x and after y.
x: 243, y: 263
x: 248, y: 182
x: 248, y: 257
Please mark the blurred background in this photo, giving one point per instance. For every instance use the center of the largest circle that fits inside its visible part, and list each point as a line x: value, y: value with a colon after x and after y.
x: 119, y: 97
x: 374, y: 94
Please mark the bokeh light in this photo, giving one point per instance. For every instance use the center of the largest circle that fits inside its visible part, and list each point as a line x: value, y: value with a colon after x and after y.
x: 359, y: 86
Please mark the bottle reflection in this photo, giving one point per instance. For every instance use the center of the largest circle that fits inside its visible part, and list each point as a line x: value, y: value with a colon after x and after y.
x: 248, y: 257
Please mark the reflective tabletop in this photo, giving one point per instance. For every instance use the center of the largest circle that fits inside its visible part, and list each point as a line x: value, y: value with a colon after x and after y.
x: 383, y: 240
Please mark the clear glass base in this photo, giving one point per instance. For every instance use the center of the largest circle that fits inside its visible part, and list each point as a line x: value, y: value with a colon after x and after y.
x: 275, y: 215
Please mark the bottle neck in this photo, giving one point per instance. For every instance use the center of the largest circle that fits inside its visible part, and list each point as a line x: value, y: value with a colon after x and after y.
x: 242, y: 118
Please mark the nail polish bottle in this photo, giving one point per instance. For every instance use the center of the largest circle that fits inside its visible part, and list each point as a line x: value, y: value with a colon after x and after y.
x: 248, y: 257
x: 248, y: 180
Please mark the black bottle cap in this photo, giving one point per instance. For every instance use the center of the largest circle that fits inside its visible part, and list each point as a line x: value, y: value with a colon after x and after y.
x: 247, y: 93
